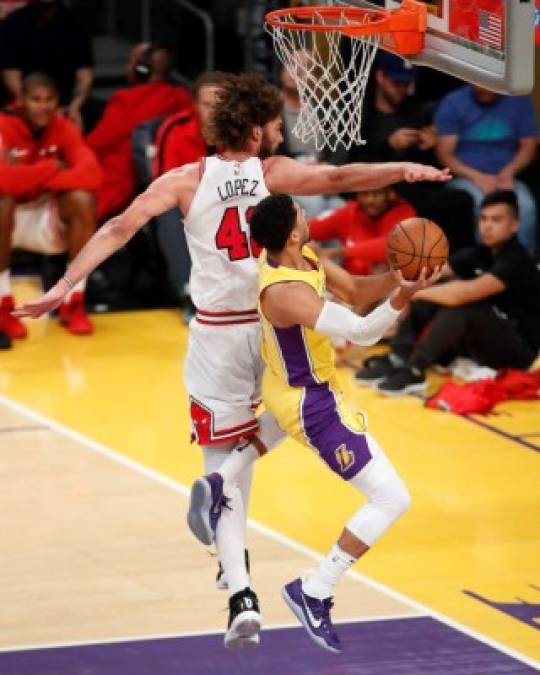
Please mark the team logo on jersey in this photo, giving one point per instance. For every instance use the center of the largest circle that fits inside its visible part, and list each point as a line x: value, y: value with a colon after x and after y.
x: 344, y: 457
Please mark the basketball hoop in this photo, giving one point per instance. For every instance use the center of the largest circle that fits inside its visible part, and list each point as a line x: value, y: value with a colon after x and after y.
x: 310, y: 42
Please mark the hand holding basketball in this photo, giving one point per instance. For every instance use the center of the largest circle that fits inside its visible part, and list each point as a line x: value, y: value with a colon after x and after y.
x: 414, y: 244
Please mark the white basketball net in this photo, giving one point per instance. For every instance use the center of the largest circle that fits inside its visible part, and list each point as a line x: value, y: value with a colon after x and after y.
x: 331, y: 86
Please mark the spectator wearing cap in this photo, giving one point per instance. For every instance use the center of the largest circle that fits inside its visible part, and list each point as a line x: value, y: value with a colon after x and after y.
x: 150, y: 95
x: 44, y: 36
x: 486, y: 140
x: 397, y: 127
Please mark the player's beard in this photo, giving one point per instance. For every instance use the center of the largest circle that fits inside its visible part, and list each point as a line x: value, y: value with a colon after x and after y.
x: 266, y: 148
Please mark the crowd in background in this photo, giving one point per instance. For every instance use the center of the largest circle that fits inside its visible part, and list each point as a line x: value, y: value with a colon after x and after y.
x: 68, y: 161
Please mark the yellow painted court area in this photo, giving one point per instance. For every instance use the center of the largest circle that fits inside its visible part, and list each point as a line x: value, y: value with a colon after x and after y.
x: 475, y: 520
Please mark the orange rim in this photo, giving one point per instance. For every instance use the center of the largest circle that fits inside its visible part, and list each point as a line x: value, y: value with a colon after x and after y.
x: 402, y: 29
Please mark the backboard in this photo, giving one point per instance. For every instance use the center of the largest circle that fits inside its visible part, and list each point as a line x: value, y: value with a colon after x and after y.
x: 487, y: 42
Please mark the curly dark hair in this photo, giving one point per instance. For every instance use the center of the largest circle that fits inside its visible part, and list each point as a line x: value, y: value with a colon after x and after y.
x: 245, y: 101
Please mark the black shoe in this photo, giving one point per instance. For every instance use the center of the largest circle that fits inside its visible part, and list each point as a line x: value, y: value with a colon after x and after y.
x: 377, y: 368
x: 244, y: 621
x: 221, y: 580
x: 402, y: 381
x: 5, y: 340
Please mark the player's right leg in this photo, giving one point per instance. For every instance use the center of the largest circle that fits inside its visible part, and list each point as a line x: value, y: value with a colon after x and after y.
x: 244, y: 621
x: 221, y: 383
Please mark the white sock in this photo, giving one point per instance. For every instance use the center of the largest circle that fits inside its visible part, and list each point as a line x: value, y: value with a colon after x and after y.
x: 231, y: 542
x: 79, y: 287
x: 320, y: 583
x: 5, y: 283
x: 231, y: 529
x: 239, y: 460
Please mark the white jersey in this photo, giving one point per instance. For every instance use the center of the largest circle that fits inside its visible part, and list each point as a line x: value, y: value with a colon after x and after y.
x: 224, y: 270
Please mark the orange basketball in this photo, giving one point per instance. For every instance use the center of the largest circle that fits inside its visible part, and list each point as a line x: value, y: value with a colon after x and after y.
x: 416, y: 243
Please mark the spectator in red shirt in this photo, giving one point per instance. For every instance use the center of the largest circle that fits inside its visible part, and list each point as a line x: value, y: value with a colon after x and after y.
x: 47, y: 175
x: 149, y: 96
x: 361, y: 226
x: 183, y: 137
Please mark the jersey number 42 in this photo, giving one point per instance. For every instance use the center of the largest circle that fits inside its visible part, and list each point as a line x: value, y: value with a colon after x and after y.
x: 232, y: 237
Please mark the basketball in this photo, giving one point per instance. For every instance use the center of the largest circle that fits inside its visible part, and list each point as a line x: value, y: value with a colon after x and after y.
x: 416, y: 243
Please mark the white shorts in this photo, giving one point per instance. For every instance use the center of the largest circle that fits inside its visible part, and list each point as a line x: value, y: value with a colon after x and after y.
x: 38, y: 227
x: 223, y: 371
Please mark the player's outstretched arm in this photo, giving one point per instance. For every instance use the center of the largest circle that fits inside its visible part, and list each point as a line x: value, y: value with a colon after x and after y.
x: 283, y: 174
x: 157, y: 199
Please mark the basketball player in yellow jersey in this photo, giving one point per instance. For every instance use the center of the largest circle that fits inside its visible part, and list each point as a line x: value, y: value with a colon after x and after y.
x: 301, y: 391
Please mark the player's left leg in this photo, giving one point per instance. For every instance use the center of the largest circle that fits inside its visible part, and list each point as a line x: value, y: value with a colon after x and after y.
x: 77, y: 210
x: 355, y: 456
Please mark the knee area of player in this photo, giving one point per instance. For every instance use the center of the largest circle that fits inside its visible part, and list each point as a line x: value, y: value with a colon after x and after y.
x: 390, y: 496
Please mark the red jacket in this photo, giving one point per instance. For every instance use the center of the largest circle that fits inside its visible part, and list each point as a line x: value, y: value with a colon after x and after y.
x: 111, y: 138
x: 30, y: 165
x: 178, y: 142
x: 364, y: 239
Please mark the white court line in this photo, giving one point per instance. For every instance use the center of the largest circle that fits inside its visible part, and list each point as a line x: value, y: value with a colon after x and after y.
x: 272, y: 534
x: 193, y: 633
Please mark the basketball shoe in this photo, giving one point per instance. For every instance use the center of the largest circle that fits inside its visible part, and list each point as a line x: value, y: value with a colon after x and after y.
x: 314, y: 614
x: 221, y: 579
x: 404, y: 380
x: 73, y: 316
x: 244, y: 621
x: 10, y: 324
x: 376, y: 368
x: 206, y: 501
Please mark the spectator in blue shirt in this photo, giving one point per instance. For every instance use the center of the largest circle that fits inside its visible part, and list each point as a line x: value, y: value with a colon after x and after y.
x: 486, y: 140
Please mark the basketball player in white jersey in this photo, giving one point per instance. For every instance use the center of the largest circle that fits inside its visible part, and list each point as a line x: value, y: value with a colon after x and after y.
x: 223, y: 364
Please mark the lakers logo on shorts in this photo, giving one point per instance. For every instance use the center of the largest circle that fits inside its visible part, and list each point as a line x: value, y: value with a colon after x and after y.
x: 344, y: 457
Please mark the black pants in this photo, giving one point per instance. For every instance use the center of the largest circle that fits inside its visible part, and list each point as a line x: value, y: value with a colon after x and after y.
x: 433, y: 334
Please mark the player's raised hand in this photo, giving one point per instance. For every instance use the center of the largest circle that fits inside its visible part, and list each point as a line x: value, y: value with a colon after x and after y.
x: 407, y: 289
x: 413, y: 173
x: 46, y: 303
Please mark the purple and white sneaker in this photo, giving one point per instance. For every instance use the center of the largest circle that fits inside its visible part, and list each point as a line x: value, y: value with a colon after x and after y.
x: 314, y: 614
x: 206, y: 502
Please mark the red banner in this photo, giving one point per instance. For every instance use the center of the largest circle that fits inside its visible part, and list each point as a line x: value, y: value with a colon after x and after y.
x: 480, y: 21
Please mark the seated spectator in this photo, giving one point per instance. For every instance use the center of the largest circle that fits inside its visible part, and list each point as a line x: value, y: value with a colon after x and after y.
x: 361, y: 226
x: 183, y: 138
x: 302, y: 151
x: 149, y: 96
x: 397, y: 127
x: 486, y: 140
x: 490, y: 312
x: 44, y: 36
x: 47, y: 175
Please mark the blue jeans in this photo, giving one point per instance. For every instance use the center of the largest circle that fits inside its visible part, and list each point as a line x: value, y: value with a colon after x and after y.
x: 526, y: 203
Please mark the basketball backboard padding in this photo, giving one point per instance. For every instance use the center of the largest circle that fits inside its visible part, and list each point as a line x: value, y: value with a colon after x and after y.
x: 486, y: 42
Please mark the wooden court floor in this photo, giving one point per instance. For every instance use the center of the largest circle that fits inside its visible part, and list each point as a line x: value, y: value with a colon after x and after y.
x: 94, y: 463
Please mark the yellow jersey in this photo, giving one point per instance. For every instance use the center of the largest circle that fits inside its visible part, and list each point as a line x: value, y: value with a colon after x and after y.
x: 300, y: 386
